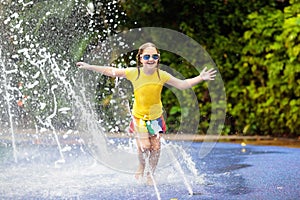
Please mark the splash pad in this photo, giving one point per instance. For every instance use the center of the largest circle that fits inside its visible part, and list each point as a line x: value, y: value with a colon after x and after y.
x: 230, y: 171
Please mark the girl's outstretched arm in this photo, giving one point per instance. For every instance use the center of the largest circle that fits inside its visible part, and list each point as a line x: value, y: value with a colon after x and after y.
x: 188, y: 83
x: 106, y: 70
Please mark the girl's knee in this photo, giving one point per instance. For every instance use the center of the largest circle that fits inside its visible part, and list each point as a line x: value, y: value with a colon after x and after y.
x: 155, y: 148
x: 143, y: 145
x: 155, y: 143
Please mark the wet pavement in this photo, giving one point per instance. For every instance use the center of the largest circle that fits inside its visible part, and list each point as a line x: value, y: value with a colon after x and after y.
x: 228, y: 171
x: 251, y: 172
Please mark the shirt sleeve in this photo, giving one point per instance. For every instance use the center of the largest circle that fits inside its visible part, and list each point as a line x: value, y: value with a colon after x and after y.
x: 130, y: 73
x: 165, y: 76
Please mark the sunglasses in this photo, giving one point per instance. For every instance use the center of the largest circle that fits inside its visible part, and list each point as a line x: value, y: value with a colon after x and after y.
x: 147, y: 56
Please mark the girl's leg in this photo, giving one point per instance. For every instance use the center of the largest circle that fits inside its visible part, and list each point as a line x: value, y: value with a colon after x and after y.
x: 143, y: 144
x: 154, y: 152
x: 154, y: 155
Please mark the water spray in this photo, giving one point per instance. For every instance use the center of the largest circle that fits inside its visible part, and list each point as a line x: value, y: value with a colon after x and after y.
x: 178, y: 167
x: 8, y: 98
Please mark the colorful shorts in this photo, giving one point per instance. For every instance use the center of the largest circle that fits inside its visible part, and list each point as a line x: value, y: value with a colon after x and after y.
x: 153, y: 127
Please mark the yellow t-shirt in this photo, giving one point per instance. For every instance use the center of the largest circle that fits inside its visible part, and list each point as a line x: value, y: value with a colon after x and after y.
x: 147, y: 92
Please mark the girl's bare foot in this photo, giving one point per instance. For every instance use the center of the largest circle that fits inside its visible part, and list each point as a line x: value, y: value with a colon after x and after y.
x: 149, y: 180
x: 139, y: 172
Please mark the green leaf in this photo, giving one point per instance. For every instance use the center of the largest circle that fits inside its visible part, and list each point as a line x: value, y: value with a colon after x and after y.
x: 174, y: 110
x: 293, y: 102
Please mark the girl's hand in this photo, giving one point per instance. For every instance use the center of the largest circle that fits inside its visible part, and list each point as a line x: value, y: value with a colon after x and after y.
x: 208, y: 75
x: 82, y: 65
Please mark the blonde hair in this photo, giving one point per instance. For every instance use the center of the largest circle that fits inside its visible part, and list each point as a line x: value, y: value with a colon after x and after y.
x: 138, y: 57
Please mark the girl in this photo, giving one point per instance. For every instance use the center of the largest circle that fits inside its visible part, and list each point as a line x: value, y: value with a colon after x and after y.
x: 147, y: 80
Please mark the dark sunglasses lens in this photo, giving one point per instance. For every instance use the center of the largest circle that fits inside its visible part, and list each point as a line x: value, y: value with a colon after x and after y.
x: 155, y: 56
x: 146, y: 57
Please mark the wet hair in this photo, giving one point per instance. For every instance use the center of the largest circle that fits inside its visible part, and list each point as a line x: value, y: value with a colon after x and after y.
x: 138, y: 57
